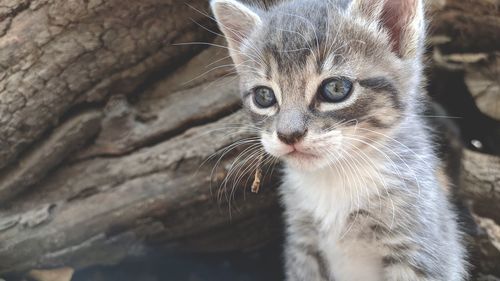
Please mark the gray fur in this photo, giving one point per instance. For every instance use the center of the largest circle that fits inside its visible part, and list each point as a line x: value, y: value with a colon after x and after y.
x: 364, y: 199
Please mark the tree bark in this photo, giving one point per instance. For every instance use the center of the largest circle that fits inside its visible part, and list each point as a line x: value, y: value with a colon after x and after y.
x: 59, y: 57
x: 104, y: 147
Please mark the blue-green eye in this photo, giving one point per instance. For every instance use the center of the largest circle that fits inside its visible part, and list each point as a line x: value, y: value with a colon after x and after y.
x: 264, y: 97
x: 335, y: 89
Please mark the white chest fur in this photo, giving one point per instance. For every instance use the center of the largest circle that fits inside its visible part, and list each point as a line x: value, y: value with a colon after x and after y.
x: 330, y: 196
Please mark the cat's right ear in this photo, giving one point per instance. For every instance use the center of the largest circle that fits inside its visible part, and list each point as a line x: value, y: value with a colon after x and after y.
x: 236, y: 21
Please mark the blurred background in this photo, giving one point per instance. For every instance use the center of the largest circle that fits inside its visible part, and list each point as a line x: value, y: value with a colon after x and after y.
x: 114, y: 116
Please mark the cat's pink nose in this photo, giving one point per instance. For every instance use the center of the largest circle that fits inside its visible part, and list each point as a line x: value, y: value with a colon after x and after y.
x: 292, y: 137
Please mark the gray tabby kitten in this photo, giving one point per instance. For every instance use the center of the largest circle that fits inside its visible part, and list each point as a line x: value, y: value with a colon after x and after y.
x: 336, y: 88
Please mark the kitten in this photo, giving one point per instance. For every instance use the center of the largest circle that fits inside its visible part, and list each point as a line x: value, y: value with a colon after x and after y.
x: 336, y: 89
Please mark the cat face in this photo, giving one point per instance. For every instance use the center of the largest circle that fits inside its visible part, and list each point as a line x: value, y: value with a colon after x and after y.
x: 323, y: 79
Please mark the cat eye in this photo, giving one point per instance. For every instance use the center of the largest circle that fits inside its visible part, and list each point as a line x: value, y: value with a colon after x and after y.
x: 264, y: 97
x: 335, y: 89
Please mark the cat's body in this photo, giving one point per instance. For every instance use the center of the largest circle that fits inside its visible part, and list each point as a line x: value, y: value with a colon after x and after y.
x: 335, y: 87
x: 370, y: 232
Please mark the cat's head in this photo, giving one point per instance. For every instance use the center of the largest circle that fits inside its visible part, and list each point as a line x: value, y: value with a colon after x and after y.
x: 325, y: 79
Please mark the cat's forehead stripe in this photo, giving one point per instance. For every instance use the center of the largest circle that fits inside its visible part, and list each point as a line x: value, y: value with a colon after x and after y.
x: 293, y: 39
x: 288, y: 60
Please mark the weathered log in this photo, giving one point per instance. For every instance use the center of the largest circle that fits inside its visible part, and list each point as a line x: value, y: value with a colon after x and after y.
x: 158, y: 192
x: 465, y: 26
x: 483, y: 81
x: 481, y: 183
x: 142, y: 180
x: 56, y: 55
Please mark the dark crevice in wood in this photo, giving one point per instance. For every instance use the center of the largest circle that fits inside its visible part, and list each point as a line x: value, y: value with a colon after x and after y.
x: 448, y: 89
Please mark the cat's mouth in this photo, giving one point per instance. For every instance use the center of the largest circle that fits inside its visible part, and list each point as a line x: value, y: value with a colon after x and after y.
x: 301, y: 155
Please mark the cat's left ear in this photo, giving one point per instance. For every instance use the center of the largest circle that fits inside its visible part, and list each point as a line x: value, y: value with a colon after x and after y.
x: 403, y: 19
x: 236, y: 21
